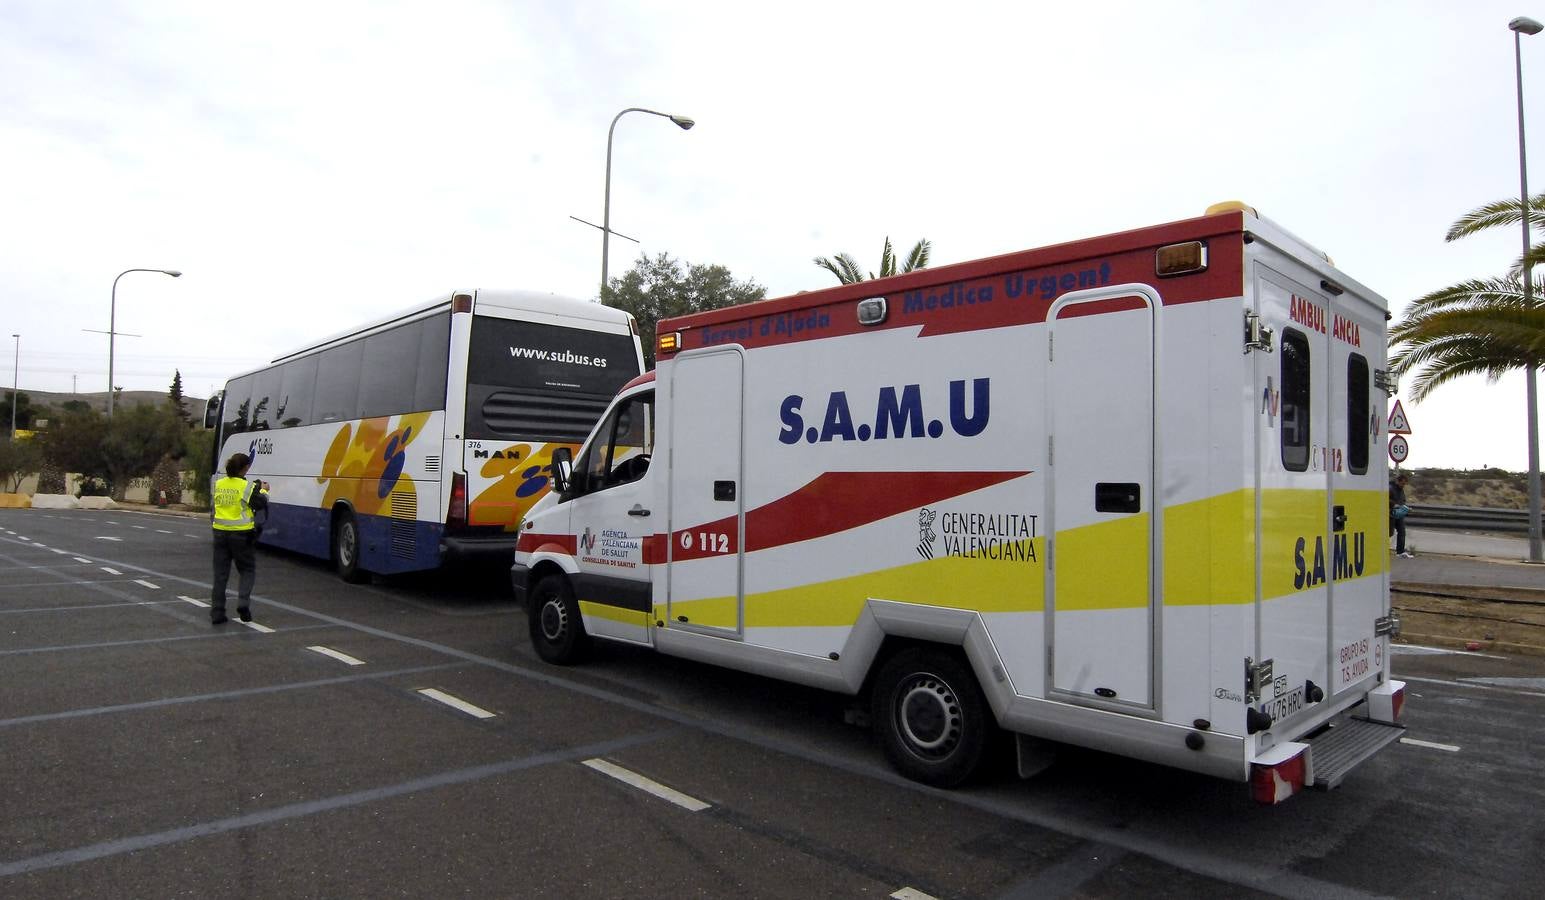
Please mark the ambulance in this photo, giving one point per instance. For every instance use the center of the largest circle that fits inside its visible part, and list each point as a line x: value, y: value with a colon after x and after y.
x: 1125, y: 493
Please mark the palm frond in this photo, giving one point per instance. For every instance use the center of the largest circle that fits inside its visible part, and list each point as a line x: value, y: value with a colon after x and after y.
x: 844, y: 266
x: 1478, y: 327
x: 918, y: 258
x: 1495, y: 215
x: 887, y: 260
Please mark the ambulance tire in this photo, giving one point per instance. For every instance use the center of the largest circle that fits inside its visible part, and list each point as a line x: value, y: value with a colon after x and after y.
x: 553, y: 618
x: 346, y: 547
x: 932, y: 717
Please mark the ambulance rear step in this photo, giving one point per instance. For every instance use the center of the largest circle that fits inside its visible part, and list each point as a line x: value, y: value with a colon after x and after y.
x: 1344, y: 745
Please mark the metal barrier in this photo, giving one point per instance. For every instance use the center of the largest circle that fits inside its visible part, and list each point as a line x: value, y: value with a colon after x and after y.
x: 1469, y: 518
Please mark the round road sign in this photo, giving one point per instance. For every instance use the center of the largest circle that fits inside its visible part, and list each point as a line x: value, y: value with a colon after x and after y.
x: 1399, y: 449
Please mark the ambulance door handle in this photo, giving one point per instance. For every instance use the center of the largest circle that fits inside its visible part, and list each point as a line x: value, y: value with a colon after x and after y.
x: 1338, y: 518
x: 1118, y: 497
x: 638, y: 510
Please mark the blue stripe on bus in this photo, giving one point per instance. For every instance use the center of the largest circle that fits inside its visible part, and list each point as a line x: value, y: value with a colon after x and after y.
x: 308, y: 530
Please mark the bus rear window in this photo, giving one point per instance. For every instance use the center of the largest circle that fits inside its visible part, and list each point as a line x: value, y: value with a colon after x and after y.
x: 532, y: 381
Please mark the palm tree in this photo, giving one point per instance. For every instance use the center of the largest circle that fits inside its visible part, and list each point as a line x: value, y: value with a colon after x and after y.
x: 845, y: 267
x: 1482, y: 326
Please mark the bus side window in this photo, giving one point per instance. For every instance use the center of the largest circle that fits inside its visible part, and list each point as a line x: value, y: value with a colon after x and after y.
x: 295, y: 392
x: 238, y: 407
x: 434, y: 361
x: 337, y: 385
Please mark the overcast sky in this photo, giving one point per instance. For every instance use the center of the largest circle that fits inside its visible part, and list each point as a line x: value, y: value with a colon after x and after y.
x: 310, y: 165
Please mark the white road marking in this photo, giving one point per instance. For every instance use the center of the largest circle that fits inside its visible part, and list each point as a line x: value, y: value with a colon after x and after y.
x: 1472, y: 685
x: 194, y: 600
x: 1429, y: 745
x: 103, y: 537
x: 22, y: 537
x: 162, y: 531
x: 256, y: 627
x: 344, y: 658
x: 60, y: 552
x: 909, y: 893
x: 153, y: 587
x: 1423, y: 650
x: 82, y: 559
x: 140, y: 527
x: 454, y: 703
x: 111, y: 571
x: 649, y: 786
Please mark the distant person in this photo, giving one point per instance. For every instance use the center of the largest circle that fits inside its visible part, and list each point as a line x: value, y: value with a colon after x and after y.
x: 237, y: 503
x: 1398, y: 510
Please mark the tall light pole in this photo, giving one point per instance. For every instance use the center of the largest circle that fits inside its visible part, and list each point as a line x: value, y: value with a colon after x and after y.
x: 15, y: 387
x: 112, y: 328
x: 606, y: 213
x: 1520, y: 27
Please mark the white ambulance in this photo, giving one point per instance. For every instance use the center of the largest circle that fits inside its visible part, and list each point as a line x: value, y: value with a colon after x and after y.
x: 1126, y: 493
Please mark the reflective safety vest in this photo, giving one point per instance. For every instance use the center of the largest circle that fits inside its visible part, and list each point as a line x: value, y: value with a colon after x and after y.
x: 232, y: 496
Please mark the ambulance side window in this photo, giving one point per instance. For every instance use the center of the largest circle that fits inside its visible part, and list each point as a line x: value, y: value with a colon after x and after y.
x: 1358, y: 424
x: 1295, y: 400
x: 622, y: 448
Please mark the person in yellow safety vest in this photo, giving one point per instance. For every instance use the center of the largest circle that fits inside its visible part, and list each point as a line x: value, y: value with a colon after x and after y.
x: 236, y: 500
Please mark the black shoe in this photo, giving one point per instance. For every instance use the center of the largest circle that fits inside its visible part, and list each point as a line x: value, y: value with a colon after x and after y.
x: 245, y: 612
x: 218, y: 620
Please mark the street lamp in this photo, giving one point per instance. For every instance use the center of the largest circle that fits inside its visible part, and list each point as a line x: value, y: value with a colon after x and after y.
x: 112, y: 328
x: 1522, y: 26
x: 15, y: 387
x: 606, y: 213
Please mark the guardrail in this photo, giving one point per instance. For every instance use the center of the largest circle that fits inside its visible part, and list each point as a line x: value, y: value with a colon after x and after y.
x: 1469, y: 518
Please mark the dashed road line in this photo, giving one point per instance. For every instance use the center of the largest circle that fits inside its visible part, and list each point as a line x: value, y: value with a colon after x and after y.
x: 111, y: 571
x: 103, y: 537
x: 649, y: 785
x: 456, y: 703
x: 910, y: 893
x: 81, y: 559
x: 261, y: 629
x: 344, y: 658
x: 1429, y: 745
x: 151, y: 585
x: 58, y: 551
x: 194, y: 600
x: 162, y: 531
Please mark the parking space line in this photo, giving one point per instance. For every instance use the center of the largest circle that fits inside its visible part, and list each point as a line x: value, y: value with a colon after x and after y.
x: 344, y: 658
x: 120, y: 846
x: 162, y: 531
x: 152, y: 586
x: 81, y: 559
x: 60, y: 552
x: 206, y: 636
x: 111, y: 571
x: 456, y: 703
x: 261, y: 629
x: 194, y: 600
x: 649, y: 786
x: 1429, y: 745
x: 1472, y: 685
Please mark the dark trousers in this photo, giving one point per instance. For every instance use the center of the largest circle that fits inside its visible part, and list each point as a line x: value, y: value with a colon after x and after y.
x: 233, y: 546
x: 1399, y: 527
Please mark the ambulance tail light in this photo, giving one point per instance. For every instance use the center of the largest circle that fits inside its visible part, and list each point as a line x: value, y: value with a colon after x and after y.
x: 669, y: 342
x: 456, y: 517
x: 1274, y: 782
x: 1386, y: 701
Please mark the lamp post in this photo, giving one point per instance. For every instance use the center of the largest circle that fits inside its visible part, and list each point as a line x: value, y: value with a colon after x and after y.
x: 682, y: 122
x: 1520, y: 27
x: 15, y: 386
x: 112, y: 328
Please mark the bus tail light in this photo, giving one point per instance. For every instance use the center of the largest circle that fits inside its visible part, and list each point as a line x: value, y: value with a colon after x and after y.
x: 456, y: 517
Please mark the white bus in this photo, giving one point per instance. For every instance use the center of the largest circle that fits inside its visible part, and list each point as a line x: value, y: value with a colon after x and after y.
x: 424, y: 437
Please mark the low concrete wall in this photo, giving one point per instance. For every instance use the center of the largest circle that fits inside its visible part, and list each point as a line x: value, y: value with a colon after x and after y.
x: 54, y: 501
x: 15, y: 501
x: 97, y: 503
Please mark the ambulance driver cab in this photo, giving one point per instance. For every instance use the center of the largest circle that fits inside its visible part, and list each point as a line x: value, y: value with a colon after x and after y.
x: 609, y: 505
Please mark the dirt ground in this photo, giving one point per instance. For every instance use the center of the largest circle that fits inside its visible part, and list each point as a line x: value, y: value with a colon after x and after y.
x: 1493, y: 619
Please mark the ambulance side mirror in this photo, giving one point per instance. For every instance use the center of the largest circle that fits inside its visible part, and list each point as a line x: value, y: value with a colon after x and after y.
x: 563, y: 469
x: 212, y: 411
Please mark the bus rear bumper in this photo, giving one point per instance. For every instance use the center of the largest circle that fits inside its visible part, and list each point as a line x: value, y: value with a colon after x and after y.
x: 461, y: 548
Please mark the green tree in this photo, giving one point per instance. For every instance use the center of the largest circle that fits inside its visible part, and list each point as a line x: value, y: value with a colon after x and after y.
x: 18, y: 459
x: 135, y: 441
x: 662, y: 287
x: 74, y: 443
x: 1476, y: 327
x: 845, y: 267
x: 25, y: 411
x: 198, y: 449
x: 175, y: 399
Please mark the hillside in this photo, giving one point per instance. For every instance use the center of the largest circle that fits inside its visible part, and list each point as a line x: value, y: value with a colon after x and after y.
x: 98, y: 400
x: 1490, y: 488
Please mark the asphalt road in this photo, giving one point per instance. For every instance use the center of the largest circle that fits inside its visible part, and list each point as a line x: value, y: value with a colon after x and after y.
x: 145, y: 753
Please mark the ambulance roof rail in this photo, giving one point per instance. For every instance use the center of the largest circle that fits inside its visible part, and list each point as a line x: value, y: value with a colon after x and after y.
x: 1235, y: 205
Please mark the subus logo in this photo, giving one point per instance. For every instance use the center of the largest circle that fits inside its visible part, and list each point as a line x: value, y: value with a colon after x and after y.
x: 260, y: 447
x: 898, y: 413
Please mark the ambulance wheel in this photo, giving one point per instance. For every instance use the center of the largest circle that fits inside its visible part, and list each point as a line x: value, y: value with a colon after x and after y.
x: 932, y: 718
x: 346, y: 549
x: 553, y: 617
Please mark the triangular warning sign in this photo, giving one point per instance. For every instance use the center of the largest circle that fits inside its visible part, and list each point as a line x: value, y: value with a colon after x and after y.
x: 1398, y: 423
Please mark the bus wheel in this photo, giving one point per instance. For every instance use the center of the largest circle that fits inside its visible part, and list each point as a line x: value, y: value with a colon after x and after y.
x: 346, y: 549
x: 932, y: 718
x: 556, y: 630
